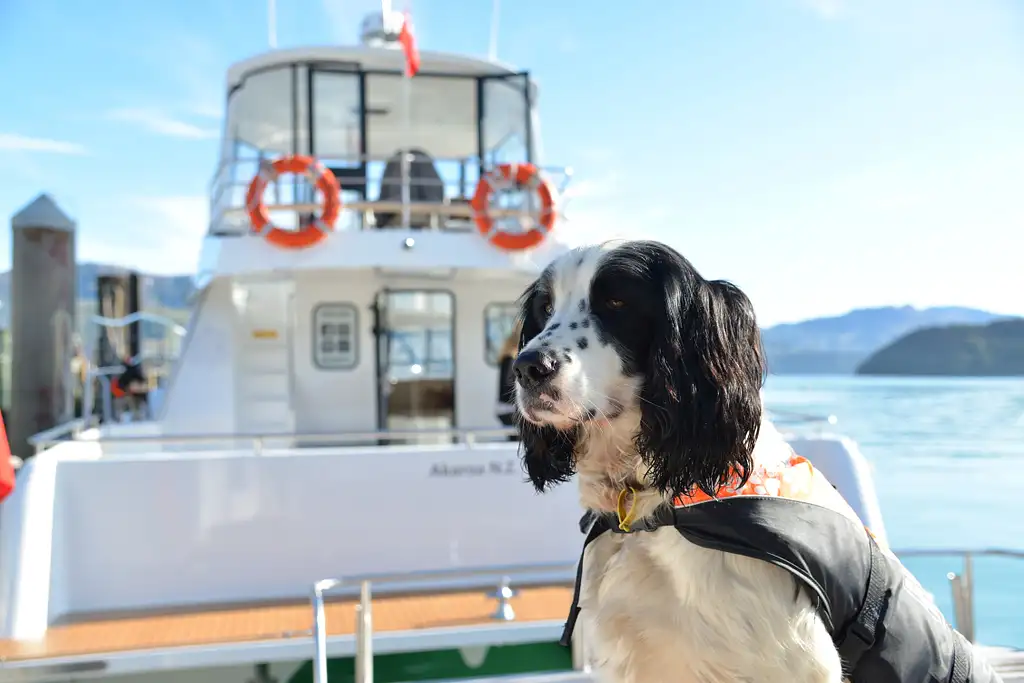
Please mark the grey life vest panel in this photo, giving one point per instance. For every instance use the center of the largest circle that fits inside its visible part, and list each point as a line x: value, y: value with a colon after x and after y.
x: 886, y: 629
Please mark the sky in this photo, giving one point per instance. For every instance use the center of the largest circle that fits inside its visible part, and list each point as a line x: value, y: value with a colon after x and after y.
x: 824, y: 155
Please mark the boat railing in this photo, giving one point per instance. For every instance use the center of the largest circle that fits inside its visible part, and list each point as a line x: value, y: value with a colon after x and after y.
x: 505, y: 577
x: 261, y: 442
x: 62, y: 432
x: 501, y: 590
x: 374, y: 199
x: 785, y: 418
x: 161, y: 357
x: 962, y: 584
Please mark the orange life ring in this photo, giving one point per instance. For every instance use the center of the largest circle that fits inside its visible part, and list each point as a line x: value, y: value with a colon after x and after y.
x: 322, y: 179
x: 524, y: 175
x: 115, y: 389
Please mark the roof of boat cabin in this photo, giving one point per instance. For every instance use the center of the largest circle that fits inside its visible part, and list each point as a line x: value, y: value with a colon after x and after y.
x: 370, y: 58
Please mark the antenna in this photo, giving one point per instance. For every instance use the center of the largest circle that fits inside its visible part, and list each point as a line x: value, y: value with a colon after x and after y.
x: 272, y: 23
x: 492, y: 50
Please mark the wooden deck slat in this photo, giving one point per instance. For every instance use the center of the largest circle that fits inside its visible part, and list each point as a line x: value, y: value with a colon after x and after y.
x: 96, y: 635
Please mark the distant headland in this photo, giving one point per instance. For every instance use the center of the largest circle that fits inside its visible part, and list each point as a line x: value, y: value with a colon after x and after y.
x: 992, y: 350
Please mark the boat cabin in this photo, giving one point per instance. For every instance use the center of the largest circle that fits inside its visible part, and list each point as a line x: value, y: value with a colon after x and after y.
x: 394, y: 320
x: 356, y: 375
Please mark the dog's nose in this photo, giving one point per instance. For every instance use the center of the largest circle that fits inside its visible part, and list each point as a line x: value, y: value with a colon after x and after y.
x: 534, y: 368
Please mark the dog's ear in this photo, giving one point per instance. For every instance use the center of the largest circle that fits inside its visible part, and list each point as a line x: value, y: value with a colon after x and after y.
x: 701, y: 402
x: 547, y: 453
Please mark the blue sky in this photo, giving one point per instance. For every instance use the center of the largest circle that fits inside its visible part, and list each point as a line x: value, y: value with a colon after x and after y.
x: 822, y: 154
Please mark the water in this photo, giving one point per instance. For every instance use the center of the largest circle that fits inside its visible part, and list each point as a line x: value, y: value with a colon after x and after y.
x: 948, y: 456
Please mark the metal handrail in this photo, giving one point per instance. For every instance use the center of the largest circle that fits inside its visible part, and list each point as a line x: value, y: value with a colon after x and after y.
x: 48, y: 437
x: 228, y: 192
x: 463, y: 435
x: 226, y: 165
x: 103, y: 373
x: 962, y: 585
x: 948, y: 552
x: 364, y: 610
x: 962, y: 599
x: 795, y: 417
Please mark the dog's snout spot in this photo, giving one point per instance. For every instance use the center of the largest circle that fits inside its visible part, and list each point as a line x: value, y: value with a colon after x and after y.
x: 582, y: 343
x: 583, y: 305
x: 586, y: 323
x: 573, y: 326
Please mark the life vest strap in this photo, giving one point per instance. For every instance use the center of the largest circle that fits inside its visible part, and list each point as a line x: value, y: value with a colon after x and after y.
x: 598, y: 525
x: 861, y: 633
x: 962, y: 668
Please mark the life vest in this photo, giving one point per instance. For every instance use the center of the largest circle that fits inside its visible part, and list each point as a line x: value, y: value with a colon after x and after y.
x: 884, y: 625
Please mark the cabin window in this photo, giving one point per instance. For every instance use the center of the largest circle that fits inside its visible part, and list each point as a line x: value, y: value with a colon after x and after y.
x: 335, y: 336
x: 262, y: 113
x: 415, y: 363
x: 336, y: 116
x: 506, y: 120
x: 499, y: 319
x: 436, y: 114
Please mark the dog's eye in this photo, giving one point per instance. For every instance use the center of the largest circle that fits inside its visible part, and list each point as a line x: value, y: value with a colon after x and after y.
x: 614, y: 303
x: 548, y: 309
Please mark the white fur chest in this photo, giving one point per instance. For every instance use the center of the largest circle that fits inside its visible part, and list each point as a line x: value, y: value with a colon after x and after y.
x: 656, y: 608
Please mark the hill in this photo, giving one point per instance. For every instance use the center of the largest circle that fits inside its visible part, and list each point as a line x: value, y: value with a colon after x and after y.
x: 158, y: 291
x: 992, y: 350
x: 839, y: 344
x: 834, y: 345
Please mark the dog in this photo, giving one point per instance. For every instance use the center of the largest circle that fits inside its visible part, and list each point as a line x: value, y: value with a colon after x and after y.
x: 635, y: 373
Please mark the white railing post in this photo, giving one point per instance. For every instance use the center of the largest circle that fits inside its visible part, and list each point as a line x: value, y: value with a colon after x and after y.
x: 320, y: 630
x: 967, y: 586
x: 364, y: 636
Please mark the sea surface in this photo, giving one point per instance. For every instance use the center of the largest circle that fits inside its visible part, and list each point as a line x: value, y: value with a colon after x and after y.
x: 948, y: 457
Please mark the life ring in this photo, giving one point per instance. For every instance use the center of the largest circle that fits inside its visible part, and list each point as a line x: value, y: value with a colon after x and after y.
x: 308, y: 235
x: 522, y: 175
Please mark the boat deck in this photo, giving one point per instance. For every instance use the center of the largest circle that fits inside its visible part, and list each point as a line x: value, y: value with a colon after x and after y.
x: 96, y: 634
x: 1008, y: 663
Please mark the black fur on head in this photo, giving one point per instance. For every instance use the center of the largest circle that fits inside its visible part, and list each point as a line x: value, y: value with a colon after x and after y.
x: 694, y: 345
x: 701, y: 398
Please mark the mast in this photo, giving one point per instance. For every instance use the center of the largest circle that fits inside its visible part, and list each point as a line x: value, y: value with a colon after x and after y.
x: 492, y: 49
x: 272, y: 23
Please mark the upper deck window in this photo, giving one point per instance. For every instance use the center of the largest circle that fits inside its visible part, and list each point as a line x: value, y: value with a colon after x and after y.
x: 437, y: 114
x: 357, y: 119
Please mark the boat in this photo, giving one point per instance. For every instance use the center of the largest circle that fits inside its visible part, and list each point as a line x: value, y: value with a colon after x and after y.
x: 323, y: 491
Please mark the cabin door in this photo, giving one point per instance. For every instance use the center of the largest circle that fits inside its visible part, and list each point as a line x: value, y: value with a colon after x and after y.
x: 415, y: 332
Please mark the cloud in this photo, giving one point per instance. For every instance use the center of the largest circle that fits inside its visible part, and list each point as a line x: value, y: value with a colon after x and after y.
x: 596, y: 209
x: 167, y: 233
x: 597, y: 187
x: 827, y: 9
x: 12, y: 142
x: 157, y: 122
x: 207, y: 110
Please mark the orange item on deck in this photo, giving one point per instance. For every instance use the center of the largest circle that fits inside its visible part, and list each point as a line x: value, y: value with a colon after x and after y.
x: 308, y: 235
x: 520, y: 175
x: 6, y: 467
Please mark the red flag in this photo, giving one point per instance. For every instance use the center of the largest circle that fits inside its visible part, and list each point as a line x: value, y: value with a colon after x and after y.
x: 408, y: 40
x: 6, y: 468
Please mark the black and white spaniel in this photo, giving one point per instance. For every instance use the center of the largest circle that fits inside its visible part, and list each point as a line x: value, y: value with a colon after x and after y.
x: 636, y: 372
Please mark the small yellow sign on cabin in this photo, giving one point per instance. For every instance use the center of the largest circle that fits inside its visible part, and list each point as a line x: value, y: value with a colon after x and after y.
x: 264, y: 334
